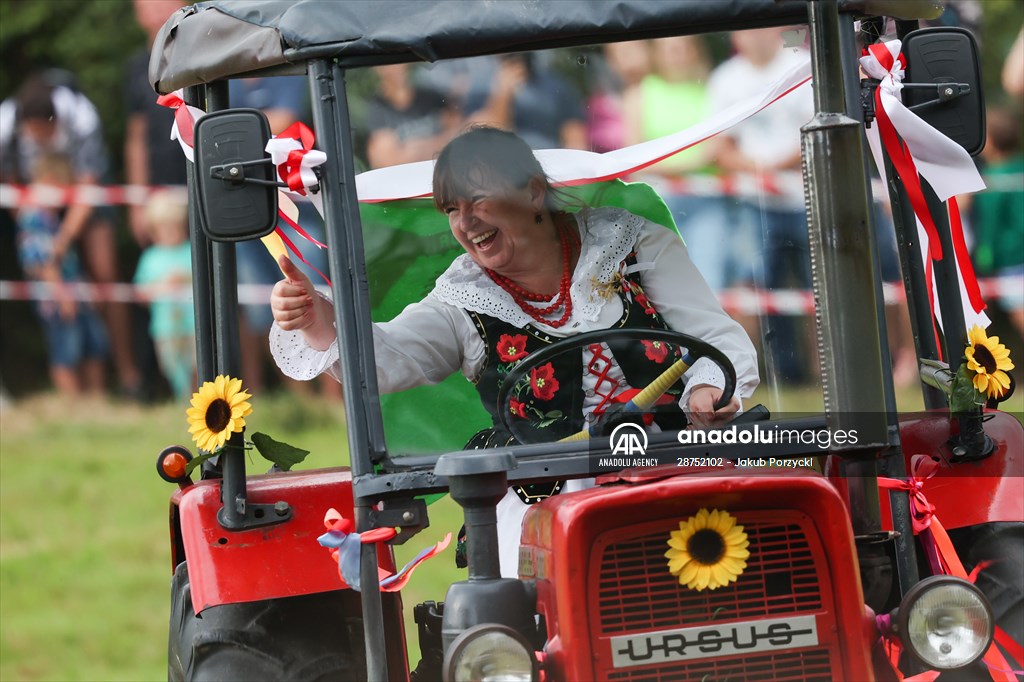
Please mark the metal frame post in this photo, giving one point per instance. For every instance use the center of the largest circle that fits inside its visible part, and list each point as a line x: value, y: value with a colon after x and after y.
x: 355, y: 333
x: 842, y: 267
x: 892, y: 463
x: 202, y: 284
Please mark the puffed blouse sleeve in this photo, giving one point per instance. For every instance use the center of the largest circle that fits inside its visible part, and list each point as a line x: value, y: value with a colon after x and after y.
x: 686, y: 302
x: 424, y: 344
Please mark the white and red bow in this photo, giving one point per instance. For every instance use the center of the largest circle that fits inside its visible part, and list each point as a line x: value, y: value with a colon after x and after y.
x: 915, y: 147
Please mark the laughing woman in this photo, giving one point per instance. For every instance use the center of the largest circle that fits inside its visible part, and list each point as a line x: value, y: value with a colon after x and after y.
x: 532, y: 273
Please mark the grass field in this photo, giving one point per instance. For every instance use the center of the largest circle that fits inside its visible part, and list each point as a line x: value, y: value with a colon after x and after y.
x: 84, y: 568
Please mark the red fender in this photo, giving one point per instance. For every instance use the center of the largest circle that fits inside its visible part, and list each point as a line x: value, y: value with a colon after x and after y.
x: 283, y: 560
x: 967, y: 493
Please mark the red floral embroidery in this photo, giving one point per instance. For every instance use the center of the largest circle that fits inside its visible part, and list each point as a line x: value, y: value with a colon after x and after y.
x: 517, y: 408
x: 543, y: 382
x: 656, y: 350
x: 512, y: 348
x: 641, y: 298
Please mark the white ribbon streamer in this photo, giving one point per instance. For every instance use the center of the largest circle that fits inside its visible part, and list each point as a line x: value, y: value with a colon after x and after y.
x: 946, y: 165
x: 574, y: 166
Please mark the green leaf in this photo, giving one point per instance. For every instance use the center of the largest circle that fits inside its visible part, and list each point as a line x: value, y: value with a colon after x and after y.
x: 964, y: 397
x: 283, y: 455
x: 197, y: 460
x: 553, y: 414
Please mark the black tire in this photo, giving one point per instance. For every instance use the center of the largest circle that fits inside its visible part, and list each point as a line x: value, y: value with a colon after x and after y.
x: 315, y: 637
x: 1001, y: 581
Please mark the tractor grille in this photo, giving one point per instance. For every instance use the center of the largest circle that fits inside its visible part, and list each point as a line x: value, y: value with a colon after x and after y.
x: 636, y: 593
x: 785, y: 666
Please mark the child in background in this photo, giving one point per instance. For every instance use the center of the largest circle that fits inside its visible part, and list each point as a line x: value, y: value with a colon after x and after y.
x: 165, y: 271
x: 76, y: 341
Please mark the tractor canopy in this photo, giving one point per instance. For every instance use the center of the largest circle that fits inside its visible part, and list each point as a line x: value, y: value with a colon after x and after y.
x: 224, y: 39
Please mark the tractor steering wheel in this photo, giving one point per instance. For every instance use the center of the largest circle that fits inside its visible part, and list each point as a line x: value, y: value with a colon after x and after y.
x: 695, y: 347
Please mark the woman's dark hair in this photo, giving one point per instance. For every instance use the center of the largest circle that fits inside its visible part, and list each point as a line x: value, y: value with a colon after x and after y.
x: 483, y: 158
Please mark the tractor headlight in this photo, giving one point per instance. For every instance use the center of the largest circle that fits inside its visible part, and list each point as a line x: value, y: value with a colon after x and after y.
x: 946, y: 622
x: 487, y: 652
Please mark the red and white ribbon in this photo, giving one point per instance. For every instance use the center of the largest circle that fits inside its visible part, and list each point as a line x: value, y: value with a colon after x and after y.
x: 185, y: 117
x: 292, y: 153
x: 915, y: 147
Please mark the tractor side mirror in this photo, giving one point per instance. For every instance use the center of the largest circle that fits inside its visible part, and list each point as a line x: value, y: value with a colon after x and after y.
x: 237, y: 188
x: 943, y: 84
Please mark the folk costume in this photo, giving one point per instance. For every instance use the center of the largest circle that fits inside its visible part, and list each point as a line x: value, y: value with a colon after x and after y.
x: 630, y: 273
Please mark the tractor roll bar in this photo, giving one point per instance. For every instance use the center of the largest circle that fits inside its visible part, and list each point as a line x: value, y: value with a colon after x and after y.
x: 349, y: 289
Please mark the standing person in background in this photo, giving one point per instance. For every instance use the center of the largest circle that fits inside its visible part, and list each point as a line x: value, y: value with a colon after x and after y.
x: 540, y: 106
x: 75, y: 339
x: 768, y: 145
x: 998, y: 213
x: 671, y: 98
x: 41, y: 119
x: 151, y: 159
x: 619, y: 74
x: 165, y: 270
x: 407, y: 122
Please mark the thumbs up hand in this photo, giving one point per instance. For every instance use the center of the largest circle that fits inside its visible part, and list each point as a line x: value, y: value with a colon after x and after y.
x: 297, y: 307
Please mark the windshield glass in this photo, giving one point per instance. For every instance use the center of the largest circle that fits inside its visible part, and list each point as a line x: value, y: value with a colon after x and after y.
x: 736, y: 200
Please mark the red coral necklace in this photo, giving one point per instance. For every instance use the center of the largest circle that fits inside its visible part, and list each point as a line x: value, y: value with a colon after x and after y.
x: 523, y: 298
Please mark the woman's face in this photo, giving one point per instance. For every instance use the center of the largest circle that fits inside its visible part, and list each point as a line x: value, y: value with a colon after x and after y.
x: 497, y: 227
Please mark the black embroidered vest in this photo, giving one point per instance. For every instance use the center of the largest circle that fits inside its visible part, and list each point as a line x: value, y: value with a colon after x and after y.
x: 547, y: 404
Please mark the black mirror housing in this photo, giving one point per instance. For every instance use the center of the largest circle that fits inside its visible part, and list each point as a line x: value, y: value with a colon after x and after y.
x: 236, y: 181
x: 941, y: 56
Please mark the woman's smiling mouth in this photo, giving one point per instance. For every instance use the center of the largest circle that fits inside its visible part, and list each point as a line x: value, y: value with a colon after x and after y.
x: 480, y: 239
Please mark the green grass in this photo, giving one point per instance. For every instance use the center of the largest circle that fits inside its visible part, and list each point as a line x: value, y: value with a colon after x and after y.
x: 84, y: 567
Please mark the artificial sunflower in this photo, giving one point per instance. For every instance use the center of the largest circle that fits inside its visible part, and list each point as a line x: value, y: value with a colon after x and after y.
x: 708, y: 551
x: 218, y: 410
x: 989, y: 360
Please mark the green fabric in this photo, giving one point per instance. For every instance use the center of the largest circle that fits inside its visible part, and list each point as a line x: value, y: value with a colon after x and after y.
x: 408, y: 245
x: 999, y: 219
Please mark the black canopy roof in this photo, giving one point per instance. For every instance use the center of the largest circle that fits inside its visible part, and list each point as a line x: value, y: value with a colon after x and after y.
x: 225, y: 38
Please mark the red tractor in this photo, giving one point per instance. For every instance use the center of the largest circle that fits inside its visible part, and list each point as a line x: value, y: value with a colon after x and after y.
x: 837, y: 573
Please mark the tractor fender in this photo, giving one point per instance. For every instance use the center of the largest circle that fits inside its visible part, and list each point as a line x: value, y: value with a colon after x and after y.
x: 270, y: 562
x: 973, y: 492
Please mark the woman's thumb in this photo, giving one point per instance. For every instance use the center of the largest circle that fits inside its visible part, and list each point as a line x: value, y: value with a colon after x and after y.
x: 289, y: 270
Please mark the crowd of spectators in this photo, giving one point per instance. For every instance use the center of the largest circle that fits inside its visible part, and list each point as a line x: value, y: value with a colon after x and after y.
x: 628, y: 93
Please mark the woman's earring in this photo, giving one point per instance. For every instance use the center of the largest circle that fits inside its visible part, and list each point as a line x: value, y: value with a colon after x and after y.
x: 538, y: 218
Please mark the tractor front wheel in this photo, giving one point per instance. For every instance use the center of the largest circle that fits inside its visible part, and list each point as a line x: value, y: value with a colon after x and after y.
x: 314, y: 637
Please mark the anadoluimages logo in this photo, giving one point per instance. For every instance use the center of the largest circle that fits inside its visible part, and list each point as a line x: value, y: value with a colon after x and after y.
x: 628, y: 439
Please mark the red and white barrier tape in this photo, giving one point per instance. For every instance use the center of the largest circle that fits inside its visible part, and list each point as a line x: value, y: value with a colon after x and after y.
x: 738, y: 300
x: 745, y: 185
x: 17, y: 196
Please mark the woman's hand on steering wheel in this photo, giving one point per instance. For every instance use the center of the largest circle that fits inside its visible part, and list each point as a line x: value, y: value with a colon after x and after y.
x: 702, y: 410
x: 702, y: 401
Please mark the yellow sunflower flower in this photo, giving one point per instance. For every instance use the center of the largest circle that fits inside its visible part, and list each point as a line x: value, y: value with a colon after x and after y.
x: 708, y: 551
x: 218, y: 410
x: 989, y: 360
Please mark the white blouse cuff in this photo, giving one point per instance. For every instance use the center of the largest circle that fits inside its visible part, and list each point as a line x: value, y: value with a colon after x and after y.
x: 297, y: 359
x: 704, y: 371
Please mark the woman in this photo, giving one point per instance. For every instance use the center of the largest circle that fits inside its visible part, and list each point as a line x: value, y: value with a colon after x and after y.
x: 531, y: 274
